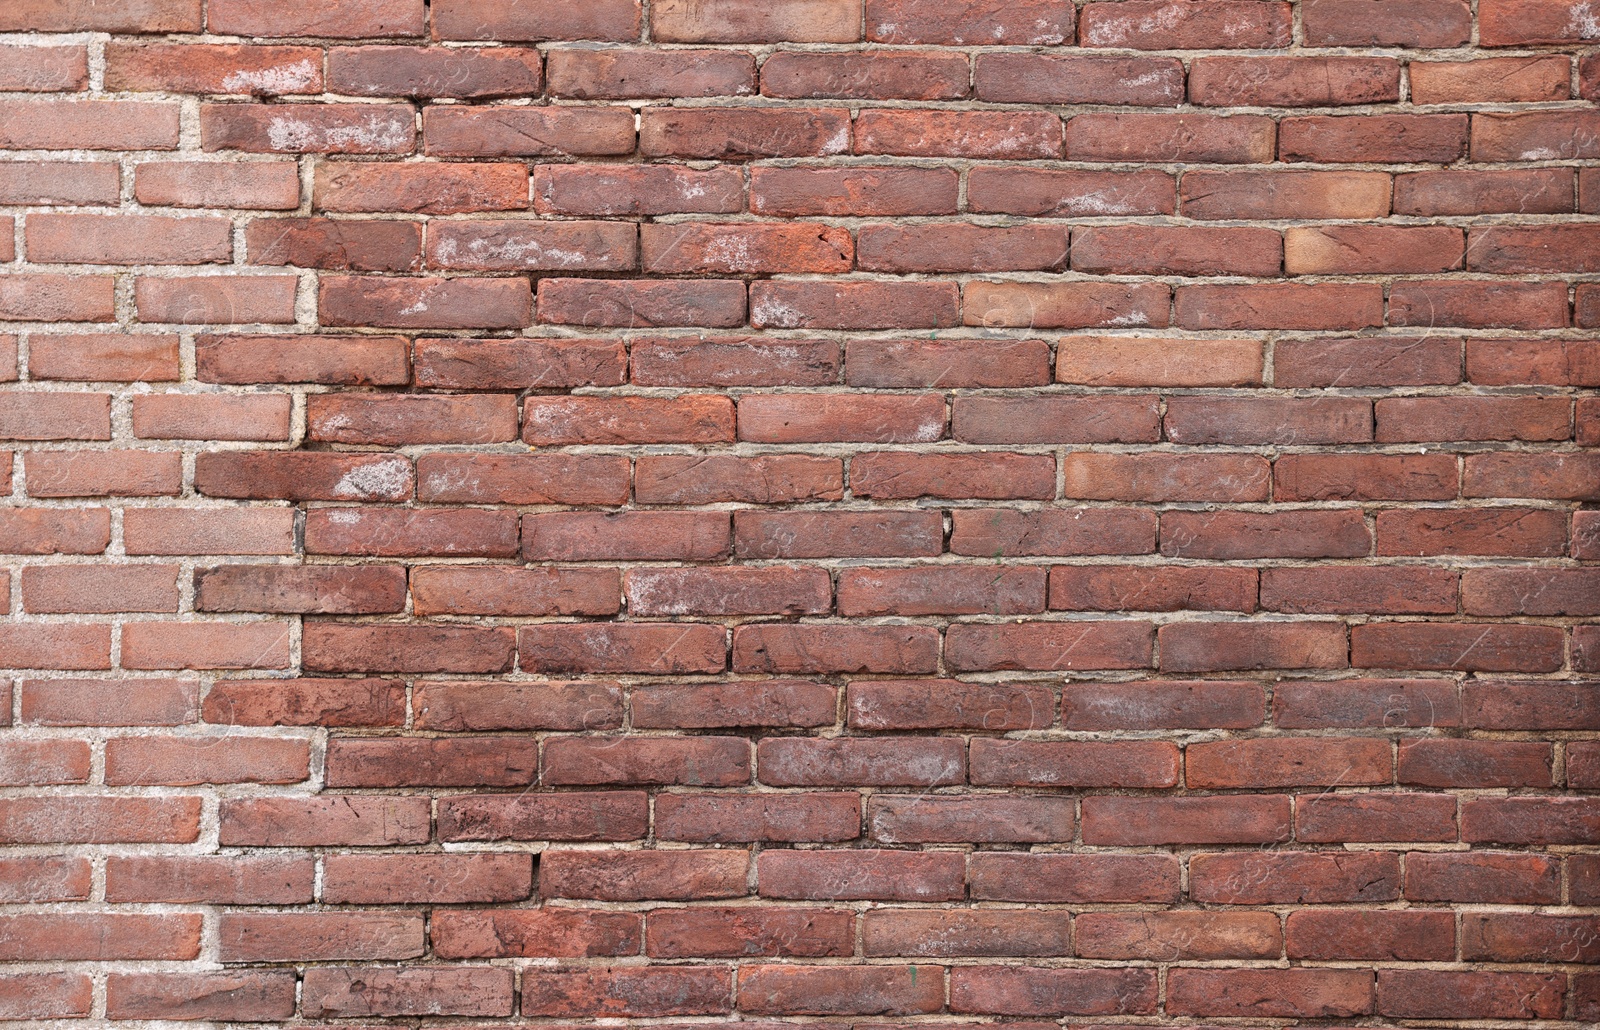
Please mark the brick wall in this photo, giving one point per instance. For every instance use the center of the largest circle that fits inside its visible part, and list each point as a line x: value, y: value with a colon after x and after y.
x: 900, y: 511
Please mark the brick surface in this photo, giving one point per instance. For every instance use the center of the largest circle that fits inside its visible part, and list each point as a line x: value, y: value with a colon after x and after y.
x: 872, y: 513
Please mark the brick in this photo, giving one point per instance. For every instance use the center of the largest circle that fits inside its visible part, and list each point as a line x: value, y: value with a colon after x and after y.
x: 307, y: 476
x: 1124, y: 764
x: 1162, y: 25
x: 1179, y: 935
x: 1060, y: 193
x: 1376, y: 817
x: 1285, y: 194
x: 522, y: 479
x: 1475, y: 763
x: 1515, y: 22
x: 342, y: 18
x: 1412, y: 994
x: 1527, y: 532
x: 1462, y: 646
x: 961, y: 248
x: 59, y: 182
x: 227, y: 996
x: 856, y: 190
x: 1531, y: 136
x: 433, y: 990
x: 642, y: 875
x: 628, y: 991
x: 904, y: 75
x: 1280, y: 306
x: 819, y: 304
x: 1416, y: 23
x: 45, y: 995
x: 1224, y: 139
x: 740, y: 248
x: 1366, y: 250
x: 517, y: 364
x: 837, y: 763
x: 1447, y: 192
x: 699, y: 761
x: 1132, y: 361
x: 1366, y: 703
x: 55, y: 531
x: 231, y: 880
x: 994, y: 533
x: 242, y: 69
x: 1021, y: 991
x: 84, y: 588
x: 469, y: 533
x: 507, y: 246
x: 1533, y: 362
x: 659, y: 648
x: 450, y: 590
x: 1054, y: 419
x: 824, y: 990
x: 1160, y: 477
x: 1512, y: 704
x: 70, y: 936
x: 128, y: 702
x: 735, y: 361
x: 103, y: 473
x: 1529, y: 820
x: 516, y: 706
x: 44, y: 762
x: 444, y: 188
x: 1365, y: 477
x: 969, y: 22
x: 255, y: 531
x: 779, y: 590
x: 861, y: 875
x: 1228, y: 535
x: 1159, y: 250
x: 1072, y: 79
x: 1209, y: 646
x: 619, y: 74
x: 335, y: 129
x: 1530, y: 592
x: 434, y: 762
x: 1293, y: 81
x: 201, y: 417
x: 720, y: 706
x: 427, y: 72
x: 1162, y: 705
x: 1559, y: 476
x: 569, y: 816
x: 56, y: 298
x: 1294, y: 877
x: 1050, y: 646
x: 345, y: 647
x: 1386, y: 589
x: 951, y: 591
x: 901, y: 820
x: 1287, y: 763
x: 840, y: 649
x: 541, y: 20
x: 749, y: 932
x: 212, y: 300
x: 734, y: 135
x: 1026, y: 135
x: 306, y: 702
x: 595, y: 303
x: 345, y: 244
x: 580, y: 189
x: 551, y: 933
x: 266, y: 185
x: 89, y: 124
x: 89, y: 819
x: 944, y: 363
x: 800, y: 418
x: 626, y: 536
x: 396, y: 421
x: 875, y: 534
x: 425, y: 303
x: 1506, y: 80
x: 307, y: 822
x: 1291, y: 993
x: 742, y: 818
x: 457, y: 131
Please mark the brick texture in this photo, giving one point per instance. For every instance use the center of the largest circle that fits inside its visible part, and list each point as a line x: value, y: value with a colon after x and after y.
x: 1070, y: 514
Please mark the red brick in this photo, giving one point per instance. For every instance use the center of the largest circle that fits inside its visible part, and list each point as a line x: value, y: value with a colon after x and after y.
x: 430, y: 990
x: 734, y: 361
x: 1483, y: 877
x: 1160, y: 250
x: 1287, y: 762
x: 59, y: 182
x: 1055, y: 419
x: 212, y: 300
x: 837, y: 763
x: 1479, y: 305
x: 641, y: 189
x: 1533, y: 362
x: 725, y: 134
x: 643, y: 875
x: 516, y: 706
x: 471, y: 131
x: 862, y: 875
x: 820, y: 304
x: 1375, y: 817
x: 619, y: 74
x: 837, y: 649
x: 875, y: 534
x: 226, y: 68
x: 350, y: 820
x: 1528, y: 705
x: 1530, y: 820
x: 1293, y: 81
x: 625, y: 536
x: 739, y: 248
x: 1073, y: 79
x: 1517, y: 22
x: 88, y: 819
x: 1560, y: 476
x: 520, y: 245
x: 340, y: 18
x: 1531, y: 592
x: 429, y: 72
x: 1280, y: 306
x: 1229, y: 535
x: 1414, y: 23
x: 969, y: 22
x: 152, y: 358
x: 627, y: 991
x: 749, y: 932
x: 45, y: 995
x: 89, y: 125
x: 229, y: 995
x: 345, y: 244
x: 1161, y: 477
x: 899, y: 75
x: 1079, y: 763
x: 1395, y: 138
x: 334, y: 360
x: 972, y: 134
x: 540, y: 20
x: 83, y: 937
x: 1284, y: 993
x: 852, y: 191
x: 328, y: 129
x: 104, y: 473
x: 1051, y: 192
x: 1504, y: 80
x: 124, y: 702
x: 961, y: 248
x: 443, y: 188
x: 424, y: 303
x: 56, y: 645
x: 1365, y: 477
x: 1210, y: 646
x: 721, y: 706
x: 548, y: 933
x: 1023, y: 991
x: 994, y: 533
x: 1165, y: 24
x: 522, y: 479
x: 595, y: 303
x: 432, y: 762
x: 41, y: 762
x: 345, y: 647
x: 1368, y: 249
x: 1294, y: 877
x: 1387, y: 589
x: 781, y: 590
x: 986, y: 819
x: 1447, y: 192
x: 1285, y: 194
x: 1508, y: 532
x: 1224, y: 139
x: 134, y: 16
x: 696, y: 761
x: 825, y: 990
x: 1178, y: 935
x: 306, y: 702
x: 1050, y: 646
x: 740, y: 818
x: 932, y: 591
x: 658, y: 648
x: 1428, y: 994
x: 807, y: 418
x: 945, y: 363
x: 1460, y: 646
x: 189, y: 531
x: 1162, y: 705
x: 569, y: 816
x: 110, y: 590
